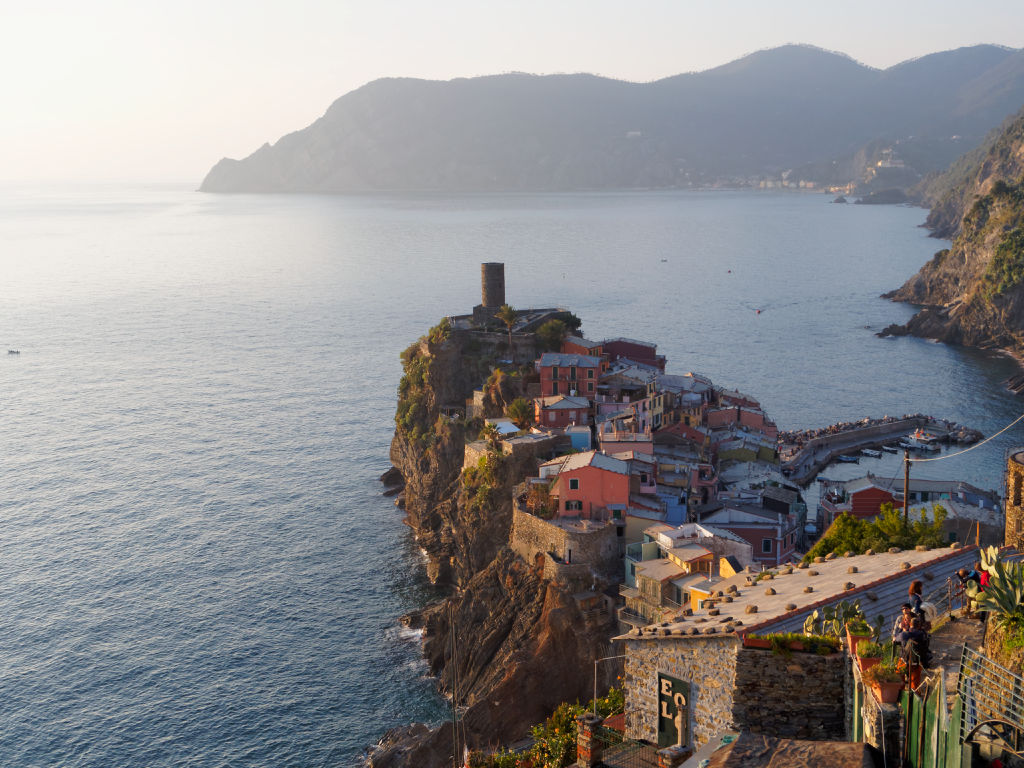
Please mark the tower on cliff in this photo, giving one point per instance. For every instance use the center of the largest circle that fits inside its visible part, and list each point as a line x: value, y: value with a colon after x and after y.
x: 492, y: 291
x: 1014, y: 534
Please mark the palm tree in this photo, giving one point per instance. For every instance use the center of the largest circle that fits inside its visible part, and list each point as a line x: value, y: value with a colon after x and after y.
x: 507, y: 315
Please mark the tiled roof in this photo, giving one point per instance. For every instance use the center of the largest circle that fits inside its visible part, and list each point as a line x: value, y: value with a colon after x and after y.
x: 560, y: 402
x: 880, y: 583
x: 579, y: 341
x: 560, y: 359
x: 589, y: 459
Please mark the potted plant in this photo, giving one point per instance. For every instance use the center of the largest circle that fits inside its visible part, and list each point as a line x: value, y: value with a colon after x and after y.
x: 885, y: 681
x: 857, y: 631
x: 756, y: 641
x: 868, y: 654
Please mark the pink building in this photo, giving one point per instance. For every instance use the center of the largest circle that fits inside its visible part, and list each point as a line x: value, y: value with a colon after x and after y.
x: 569, y: 374
x: 772, y: 535
x: 561, y: 411
x: 637, y: 351
x: 587, y: 484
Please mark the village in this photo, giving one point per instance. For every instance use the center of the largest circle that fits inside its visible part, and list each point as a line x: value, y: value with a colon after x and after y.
x: 672, y: 510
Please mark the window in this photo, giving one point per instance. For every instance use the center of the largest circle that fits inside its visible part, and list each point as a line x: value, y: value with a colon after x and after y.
x: 643, y: 477
x: 572, y: 373
x: 574, y: 484
x: 590, y: 386
x: 551, y: 415
x: 554, y: 371
x: 554, y: 387
x: 574, y: 505
x: 572, y: 415
x: 766, y: 545
x: 590, y: 373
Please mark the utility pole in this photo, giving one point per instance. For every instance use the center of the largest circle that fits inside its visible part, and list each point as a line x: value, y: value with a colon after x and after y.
x: 906, y: 488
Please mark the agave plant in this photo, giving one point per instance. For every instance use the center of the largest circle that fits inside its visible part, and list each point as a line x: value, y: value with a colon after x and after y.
x: 1004, y: 595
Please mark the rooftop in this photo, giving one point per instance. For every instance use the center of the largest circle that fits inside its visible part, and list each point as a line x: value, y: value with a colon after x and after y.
x: 879, y: 581
x: 560, y: 359
x: 588, y: 459
x: 563, y: 402
x: 659, y: 569
x: 579, y: 341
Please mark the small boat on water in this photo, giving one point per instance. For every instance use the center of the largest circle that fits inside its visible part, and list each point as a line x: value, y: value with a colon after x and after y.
x: 13, y: 351
x: 871, y: 453
x: 921, y: 441
x: 890, y: 449
x: 847, y: 459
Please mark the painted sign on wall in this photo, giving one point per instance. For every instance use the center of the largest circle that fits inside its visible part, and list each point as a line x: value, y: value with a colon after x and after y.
x: 673, y: 711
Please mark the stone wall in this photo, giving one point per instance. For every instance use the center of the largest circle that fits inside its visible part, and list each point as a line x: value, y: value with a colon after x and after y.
x: 593, y: 552
x: 708, y: 664
x: 799, y: 697
x: 1015, y: 500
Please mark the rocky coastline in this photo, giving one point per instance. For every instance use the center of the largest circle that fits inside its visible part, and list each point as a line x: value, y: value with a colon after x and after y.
x: 972, y: 293
x: 506, y: 644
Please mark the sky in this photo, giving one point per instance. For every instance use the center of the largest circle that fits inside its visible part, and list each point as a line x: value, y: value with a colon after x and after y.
x: 147, y: 90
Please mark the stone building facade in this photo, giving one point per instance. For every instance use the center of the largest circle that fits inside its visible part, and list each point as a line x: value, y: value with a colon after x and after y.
x: 579, y: 556
x: 1014, y: 535
x: 733, y: 688
x: 706, y: 663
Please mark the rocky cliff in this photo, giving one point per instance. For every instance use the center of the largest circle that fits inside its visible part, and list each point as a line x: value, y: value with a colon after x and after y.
x: 520, y: 644
x: 973, y: 292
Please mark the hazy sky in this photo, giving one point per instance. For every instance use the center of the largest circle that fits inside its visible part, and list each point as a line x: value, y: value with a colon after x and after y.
x: 152, y: 90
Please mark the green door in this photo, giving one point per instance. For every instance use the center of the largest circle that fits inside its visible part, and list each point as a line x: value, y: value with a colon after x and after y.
x: 673, y: 707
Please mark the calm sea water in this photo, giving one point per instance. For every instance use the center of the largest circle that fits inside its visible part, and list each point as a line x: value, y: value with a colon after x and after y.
x: 198, y: 567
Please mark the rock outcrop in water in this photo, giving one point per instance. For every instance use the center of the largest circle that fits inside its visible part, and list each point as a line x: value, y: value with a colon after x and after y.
x: 521, y: 644
x: 973, y: 292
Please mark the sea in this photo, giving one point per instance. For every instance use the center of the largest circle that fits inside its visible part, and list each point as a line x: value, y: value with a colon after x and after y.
x: 199, y: 568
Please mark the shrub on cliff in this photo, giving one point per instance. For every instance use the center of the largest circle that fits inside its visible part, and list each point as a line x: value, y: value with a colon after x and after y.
x: 412, y: 416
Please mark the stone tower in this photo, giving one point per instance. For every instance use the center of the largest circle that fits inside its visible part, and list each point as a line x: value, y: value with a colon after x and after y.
x: 1014, y: 507
x: 492, y: 284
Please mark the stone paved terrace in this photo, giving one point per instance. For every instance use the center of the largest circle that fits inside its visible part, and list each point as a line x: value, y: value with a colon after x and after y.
x: 947, y: 644
x: 880, y: 582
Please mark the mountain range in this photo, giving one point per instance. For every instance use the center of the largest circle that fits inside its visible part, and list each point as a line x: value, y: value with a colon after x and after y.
x: 796, y: 108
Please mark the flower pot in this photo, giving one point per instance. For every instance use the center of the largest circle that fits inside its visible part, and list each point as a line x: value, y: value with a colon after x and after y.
x: 756, y: 642
x: 887, y: 693
x: 867, y: 663
x: 853, y: 640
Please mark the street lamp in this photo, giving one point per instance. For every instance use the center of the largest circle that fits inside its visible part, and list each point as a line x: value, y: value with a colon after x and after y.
x: 603, y: 658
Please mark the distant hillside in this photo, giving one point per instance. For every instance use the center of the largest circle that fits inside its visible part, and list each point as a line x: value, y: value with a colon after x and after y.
x: 974, y: 292
x: 769, y: 112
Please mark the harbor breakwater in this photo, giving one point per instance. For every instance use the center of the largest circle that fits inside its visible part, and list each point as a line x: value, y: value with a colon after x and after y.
x: 818, y: 452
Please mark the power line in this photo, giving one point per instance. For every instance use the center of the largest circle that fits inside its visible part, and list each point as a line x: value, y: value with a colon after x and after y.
x: 967, y: 450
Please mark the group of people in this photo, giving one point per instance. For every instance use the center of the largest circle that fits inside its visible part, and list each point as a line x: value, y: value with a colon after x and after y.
x: 980, y: 578
x: 912, y: 633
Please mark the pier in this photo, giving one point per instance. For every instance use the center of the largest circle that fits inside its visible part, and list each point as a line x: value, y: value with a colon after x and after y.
x: 819, y: 452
